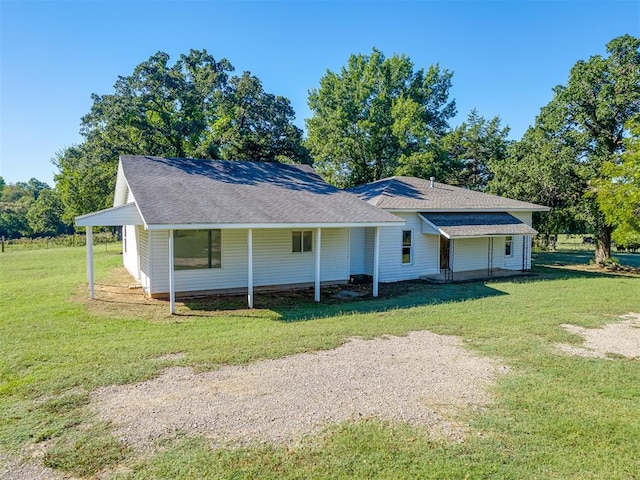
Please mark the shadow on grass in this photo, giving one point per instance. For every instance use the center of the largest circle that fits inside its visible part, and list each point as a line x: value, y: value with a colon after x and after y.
x: 565, y: 257
x: 299, y: 306
x: 293, y: 306
x: 565, y: 262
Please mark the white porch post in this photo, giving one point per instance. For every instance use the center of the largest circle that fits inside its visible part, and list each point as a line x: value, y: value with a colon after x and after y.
x: 250, y: 268
x: 376, y: 261
x: 172, y: 281
x: 92, y: 293
x: 318, y: 246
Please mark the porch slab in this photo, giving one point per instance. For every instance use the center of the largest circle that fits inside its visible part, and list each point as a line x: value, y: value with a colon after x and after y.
x: 475, y: 276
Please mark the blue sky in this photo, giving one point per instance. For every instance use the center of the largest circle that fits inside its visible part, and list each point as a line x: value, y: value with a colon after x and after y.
x: 506, y: 55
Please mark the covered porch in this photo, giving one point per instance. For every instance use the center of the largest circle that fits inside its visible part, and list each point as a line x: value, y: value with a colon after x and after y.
x: 479, y: 245
x: 245, y: 263
x: 474, y: 275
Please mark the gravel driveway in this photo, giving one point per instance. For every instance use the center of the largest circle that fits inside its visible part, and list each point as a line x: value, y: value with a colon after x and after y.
x: 422, y: 379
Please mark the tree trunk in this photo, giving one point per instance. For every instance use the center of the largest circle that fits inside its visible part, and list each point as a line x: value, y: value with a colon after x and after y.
x: 603, y: 244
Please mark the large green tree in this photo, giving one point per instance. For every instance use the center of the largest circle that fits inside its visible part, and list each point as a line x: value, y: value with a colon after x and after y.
x: 601, y: 96
x: 191, y: 108
x: 619, y: 195
x: 251, y: 124
x: 378, y: 115
x: 477, y: 144
x: 544, y: 168
x: 582, y: 131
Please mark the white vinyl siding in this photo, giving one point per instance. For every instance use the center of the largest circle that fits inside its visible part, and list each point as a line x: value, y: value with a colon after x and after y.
x: 159, y: 261
x: 334, y: 256
x: 369, y: 242
x: 356, y: 251
x: 143, y: 243
x: 425, y: 258
x: 130, y: 256
x: 273, y: 261
x: 524, y: 217
x: 233, y: 273
x: 473, y: 254
x: 275, y: 264
x: 513, y: 262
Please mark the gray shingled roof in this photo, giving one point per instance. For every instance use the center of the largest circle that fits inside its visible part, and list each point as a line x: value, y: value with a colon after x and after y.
x: 172, y: 191
x: 477, y: 224
x: 410, y: 193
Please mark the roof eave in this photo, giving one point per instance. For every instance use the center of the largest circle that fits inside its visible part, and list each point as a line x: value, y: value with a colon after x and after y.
x: 465, y: 210
x: 207, y: 226
x: 122, y: 186
x: 103, y: 218
x: 495, y: 235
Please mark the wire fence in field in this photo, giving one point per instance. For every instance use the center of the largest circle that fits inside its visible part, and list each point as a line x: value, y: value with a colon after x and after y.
x: 77, y: 240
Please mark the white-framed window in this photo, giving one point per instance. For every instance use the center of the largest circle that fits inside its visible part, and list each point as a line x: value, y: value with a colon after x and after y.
x: 301, y: 241
x: 508, y: 246
x: 195, y: 249
x: 124, y: 239
x: 407, y: 247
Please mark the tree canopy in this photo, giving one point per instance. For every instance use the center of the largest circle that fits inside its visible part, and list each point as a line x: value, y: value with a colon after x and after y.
x: 619, y: 194
x: 477, y: 145
x: 377, y: 116
x: 193, y: 108
x: 576, y: 139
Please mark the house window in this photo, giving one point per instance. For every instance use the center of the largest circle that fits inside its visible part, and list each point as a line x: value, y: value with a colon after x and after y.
x: 194, y: 249
x: 124, y: 239
x: 508, y: 244
x: 301, y: 241
x: 407, y: 247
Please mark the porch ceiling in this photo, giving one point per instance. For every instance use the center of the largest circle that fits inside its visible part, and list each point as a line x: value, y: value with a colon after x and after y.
x: 127, y: 214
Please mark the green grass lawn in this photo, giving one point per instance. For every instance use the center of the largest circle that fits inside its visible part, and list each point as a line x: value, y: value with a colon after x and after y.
x: 554, y: 416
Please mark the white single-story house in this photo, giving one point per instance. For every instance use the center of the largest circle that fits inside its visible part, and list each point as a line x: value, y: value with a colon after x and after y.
x: 213, y: 226
x: 447, y: 230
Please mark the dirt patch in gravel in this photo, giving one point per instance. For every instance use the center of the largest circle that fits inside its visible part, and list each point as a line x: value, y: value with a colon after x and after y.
x: 620, y: 338
x: 423, y: 379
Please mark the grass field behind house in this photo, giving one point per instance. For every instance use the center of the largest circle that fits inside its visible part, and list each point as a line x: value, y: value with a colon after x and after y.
x: 554, y: 416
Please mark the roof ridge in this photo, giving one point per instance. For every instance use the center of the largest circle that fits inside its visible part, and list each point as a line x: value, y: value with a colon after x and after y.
x: 384, y: 190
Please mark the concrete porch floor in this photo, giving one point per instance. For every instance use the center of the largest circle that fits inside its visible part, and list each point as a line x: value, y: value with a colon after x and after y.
x: 475, y: 276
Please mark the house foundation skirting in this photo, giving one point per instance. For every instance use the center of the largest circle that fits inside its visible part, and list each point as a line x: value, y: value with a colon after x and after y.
x: 475, y: 276
x: 243, y: 290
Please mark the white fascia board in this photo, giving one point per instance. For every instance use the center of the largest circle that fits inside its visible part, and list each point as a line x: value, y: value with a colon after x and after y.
x: 105, y: 217
x: 207, y: 226
x: 120, y: 194
x: 432, y: 225
x: 494, y: 235
x: 465, y: 210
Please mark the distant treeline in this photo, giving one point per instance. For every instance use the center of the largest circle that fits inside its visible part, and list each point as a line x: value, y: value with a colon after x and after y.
x: 375, y: 117
x: 31, y: 209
